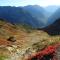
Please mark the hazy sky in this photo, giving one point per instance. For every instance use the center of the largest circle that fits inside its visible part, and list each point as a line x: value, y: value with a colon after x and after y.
x: 43, y: 3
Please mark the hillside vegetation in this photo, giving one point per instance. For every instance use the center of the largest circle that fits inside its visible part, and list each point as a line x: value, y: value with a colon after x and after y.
x: 27, y: 41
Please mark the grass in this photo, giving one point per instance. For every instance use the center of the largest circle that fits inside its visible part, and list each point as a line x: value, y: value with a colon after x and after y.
x: 3, y: 57
x: 27, y: 28
x: 35, y: 38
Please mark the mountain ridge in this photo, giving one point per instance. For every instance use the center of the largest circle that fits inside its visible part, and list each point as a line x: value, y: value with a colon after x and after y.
x: 19, y: 15
x: 54, y: 28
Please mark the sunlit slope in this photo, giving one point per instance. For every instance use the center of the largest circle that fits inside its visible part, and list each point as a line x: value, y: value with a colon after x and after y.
x: 25, y: 38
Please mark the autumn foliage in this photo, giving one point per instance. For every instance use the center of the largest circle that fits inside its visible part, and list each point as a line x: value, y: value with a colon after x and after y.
x: 47, y: 54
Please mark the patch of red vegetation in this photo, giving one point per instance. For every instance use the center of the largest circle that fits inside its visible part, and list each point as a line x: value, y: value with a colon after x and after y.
x: 47, y: 54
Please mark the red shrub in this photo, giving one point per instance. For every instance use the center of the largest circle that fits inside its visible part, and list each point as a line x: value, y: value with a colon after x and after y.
x: 47, y: 54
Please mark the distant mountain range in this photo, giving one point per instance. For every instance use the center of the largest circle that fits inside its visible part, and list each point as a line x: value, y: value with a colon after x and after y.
x: 51, y: 10
x: 20, y: 15
x: 55, y: 16
x: 33, y: 15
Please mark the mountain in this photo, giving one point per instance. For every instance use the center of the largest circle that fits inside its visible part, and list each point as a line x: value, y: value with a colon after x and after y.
x: 37, y: 12
x: 51, y: 10
x: 28, y: 44
x: 19, y: 15
x: 55, y: 16
x: 33, y: 15
x: 54, y: 28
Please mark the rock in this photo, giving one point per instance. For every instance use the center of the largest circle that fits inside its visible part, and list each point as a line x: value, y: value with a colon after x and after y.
x: 12, y: 39
x: 58, y: 53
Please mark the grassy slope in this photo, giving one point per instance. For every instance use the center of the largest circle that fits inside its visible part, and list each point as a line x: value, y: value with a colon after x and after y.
x: 25, y: 37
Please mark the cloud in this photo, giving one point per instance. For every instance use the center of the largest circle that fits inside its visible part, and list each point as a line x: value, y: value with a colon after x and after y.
x: 49, y: 2
x: 43, y: 3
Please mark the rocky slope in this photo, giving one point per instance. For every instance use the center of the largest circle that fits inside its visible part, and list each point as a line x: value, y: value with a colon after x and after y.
x: 20, y: 42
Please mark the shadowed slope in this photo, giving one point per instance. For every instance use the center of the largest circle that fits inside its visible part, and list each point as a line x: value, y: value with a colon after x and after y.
x: 54, y: 28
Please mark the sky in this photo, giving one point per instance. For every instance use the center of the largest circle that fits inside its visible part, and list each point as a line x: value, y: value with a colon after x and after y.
x: 42, y: 3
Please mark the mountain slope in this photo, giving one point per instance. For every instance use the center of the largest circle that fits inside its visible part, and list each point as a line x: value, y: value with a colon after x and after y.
x: 55, y: 16
x: 19, y: 15
x: 37, y: 12
x: 25, y: 43
x: 54, y: 28
x: 51, y: 10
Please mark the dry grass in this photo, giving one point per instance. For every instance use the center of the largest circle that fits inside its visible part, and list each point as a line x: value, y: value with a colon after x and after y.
x: 35, y: 40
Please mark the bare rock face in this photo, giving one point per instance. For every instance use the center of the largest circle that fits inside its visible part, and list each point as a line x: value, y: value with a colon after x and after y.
x: 58, y: 53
